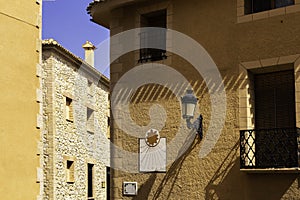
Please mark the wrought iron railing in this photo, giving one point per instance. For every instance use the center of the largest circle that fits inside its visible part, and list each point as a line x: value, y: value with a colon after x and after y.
x: 153, y: 45
x: 149, y: 55
x: 270, y: 148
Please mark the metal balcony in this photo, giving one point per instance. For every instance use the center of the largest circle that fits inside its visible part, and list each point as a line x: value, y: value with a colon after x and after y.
x: 270, y: 148
x: 150, y: 55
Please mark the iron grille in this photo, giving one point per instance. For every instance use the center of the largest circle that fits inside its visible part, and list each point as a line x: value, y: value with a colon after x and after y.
x: 157, y: 40
x: 270, y: 148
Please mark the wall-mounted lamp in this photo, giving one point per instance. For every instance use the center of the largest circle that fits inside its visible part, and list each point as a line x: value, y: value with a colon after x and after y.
x: 189, y: 102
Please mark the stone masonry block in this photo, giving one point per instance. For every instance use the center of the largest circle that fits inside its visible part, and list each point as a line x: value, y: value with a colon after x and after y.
x: 39, y: 121
x: 293, y: 8
x: 288, y: 59
x: 39, y: 95
x: 252, y: 64
x: 261, y: 15
x: 39, y: 176
x: 297, y: 64
x: 245, y: 18
x: 297, y: 76
x: 276, y: 12
x: 269, y: 62
x: 240, y: 3
x: 38, y: 70
x: 240, y: 11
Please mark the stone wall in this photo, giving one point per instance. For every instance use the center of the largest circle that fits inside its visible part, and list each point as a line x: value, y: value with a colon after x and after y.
x: 69, y: 140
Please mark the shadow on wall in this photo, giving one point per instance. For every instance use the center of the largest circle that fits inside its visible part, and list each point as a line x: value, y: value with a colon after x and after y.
x: 271, y: 186
x: 170, y: 176
x: 229, y: 183
x: 145, y: 189
x: 173, y: 171
x: 226, y: 183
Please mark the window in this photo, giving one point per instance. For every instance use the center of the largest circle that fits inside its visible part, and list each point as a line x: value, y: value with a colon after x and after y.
x: 254, y: 6
x: 90, y: 120
x: 69, y: 109
x: 275, y: 100
x: 89, y: 88
x: 70, y: 171
x: 154, y: 38
x: 108, y: 182
x: 90, y: 181
x: 273, y: 142
x: 108, y: 127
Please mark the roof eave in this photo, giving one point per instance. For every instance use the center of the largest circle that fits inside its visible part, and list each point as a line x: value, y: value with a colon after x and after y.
x: 52, y: 45
x: 100, y: 10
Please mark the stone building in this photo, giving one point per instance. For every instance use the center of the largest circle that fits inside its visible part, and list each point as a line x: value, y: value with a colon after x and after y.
x: 242, y: 60
x: 76, y: 112
x: 20, y: 58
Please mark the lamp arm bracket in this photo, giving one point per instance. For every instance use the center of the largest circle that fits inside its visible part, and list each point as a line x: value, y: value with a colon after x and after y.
x: 196, y: 125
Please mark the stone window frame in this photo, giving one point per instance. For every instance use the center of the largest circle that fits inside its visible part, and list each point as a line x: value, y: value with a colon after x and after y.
x: 152, y: 8
x: 69, y: 171
x: 70, y: 116
x: 92, y: 162
x: 246, y: 90
x: 242, y: 17
x: 90, y: 88
x: 108, y: 126
x: 246, y: 108
x: 90, y: 120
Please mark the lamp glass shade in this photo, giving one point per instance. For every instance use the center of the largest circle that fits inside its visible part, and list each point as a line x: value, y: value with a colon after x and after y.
x: 190, y: 109
x: 188, y: 102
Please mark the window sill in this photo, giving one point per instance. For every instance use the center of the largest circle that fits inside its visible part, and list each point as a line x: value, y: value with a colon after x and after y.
x: 241, y: 18
x: 70, y: 182
x: 272, y: 170
x: 90, y: 132
x: 69, y: 120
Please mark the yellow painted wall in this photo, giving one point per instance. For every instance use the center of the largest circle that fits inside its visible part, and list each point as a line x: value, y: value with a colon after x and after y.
x: 19, y: 108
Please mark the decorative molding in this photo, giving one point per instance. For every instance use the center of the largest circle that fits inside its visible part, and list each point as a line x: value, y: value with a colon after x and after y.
x: 39, y: 121
x: 241, y: 17
x: 38, y: 70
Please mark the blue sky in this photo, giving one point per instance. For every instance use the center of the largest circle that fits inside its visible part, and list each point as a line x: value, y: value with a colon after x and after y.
x: 67, y: 22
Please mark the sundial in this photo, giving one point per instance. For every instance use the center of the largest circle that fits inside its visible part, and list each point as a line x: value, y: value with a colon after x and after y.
x: 152, y: 152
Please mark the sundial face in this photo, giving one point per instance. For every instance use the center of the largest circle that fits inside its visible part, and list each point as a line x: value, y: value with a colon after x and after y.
x: 152, y: 137
x: 152, y: 152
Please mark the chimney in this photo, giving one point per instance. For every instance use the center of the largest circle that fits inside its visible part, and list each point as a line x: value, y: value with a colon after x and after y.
x: 89, y: 53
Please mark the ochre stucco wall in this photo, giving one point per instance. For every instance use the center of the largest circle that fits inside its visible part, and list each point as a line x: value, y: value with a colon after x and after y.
x: 214, y: 25
x: 19, y: 108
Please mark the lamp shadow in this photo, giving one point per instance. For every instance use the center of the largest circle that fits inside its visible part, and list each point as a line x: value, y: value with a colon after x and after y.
x: 172, y: 173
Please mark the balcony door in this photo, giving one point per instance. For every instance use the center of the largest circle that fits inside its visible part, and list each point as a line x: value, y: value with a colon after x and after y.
x: 275, y: 118
x: 275, y: 100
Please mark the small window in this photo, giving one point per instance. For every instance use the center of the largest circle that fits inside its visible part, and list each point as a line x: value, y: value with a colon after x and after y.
x: 70, y: 171
x: 89, y: 88
x: 108, y: 121
x: 155, y: 38
x: 108, y: 182
x: 69, y: 109
x: 90, y: 181
x: 254, y: 6
x: 108, y: 127
x: 90, y: 120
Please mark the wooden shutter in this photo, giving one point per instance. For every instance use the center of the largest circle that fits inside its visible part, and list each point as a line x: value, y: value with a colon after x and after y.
x: 275, y: 100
